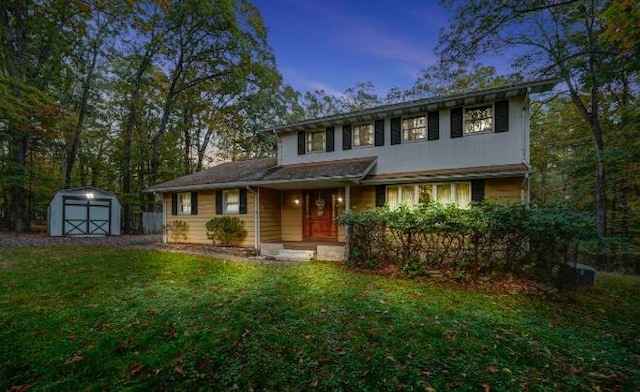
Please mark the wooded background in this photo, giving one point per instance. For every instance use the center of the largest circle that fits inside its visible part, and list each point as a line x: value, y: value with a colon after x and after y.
x: 122, y: 95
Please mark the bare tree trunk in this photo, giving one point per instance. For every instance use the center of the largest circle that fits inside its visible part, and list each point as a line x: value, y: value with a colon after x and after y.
x: 128, y: 135
x: 18, y: 217
x: 75, y: 144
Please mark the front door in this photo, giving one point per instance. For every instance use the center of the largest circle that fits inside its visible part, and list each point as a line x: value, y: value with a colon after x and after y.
x: 318, y: 215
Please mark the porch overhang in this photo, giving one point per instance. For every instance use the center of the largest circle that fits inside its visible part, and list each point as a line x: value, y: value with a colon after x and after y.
x: 468, y: 173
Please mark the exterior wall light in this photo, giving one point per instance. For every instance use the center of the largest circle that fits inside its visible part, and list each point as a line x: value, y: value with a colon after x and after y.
x: 296, y: 201
x: 89, y: 195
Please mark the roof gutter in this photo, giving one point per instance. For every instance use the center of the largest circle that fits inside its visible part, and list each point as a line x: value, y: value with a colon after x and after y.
x: 448, y: 177
x: 244, y: 184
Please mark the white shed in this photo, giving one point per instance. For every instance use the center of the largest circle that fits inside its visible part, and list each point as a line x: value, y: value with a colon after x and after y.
x: 85, y: 211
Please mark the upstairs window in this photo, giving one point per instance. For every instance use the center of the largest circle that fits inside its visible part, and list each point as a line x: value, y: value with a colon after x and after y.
x: 478, y: 119
x: 316, y: 141
x: 362, y: 135
x: 184, y: 203
x: 414, y: 128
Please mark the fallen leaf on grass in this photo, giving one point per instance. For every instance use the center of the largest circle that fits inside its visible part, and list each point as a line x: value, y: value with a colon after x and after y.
x: 136, y: 368
x: 315, y: 382
x: 493, y: 369
x: 180, y: 370
x: 74, y: 359
x: 180, y: 358
x: 366, y: 371
x: 202, y: 364
x: 246, y: 333
x: 152, y: 311
x: 486, y: 387
x: 20, y: 388
x: 102, y: 326
x: 170, y: 333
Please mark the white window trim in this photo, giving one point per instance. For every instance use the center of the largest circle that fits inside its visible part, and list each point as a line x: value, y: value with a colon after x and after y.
x: 464, y: 119
x: 353, y: 135
x: 180, y: 208
x: 309, y: 144
x: 425, y: 128
x: 224, y: 201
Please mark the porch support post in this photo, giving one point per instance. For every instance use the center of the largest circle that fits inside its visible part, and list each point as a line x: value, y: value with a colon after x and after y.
x: 347, y: 198
x: 347, y: 208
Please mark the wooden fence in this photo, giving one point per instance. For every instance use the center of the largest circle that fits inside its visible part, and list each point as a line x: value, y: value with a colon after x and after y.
x: 151, y: 222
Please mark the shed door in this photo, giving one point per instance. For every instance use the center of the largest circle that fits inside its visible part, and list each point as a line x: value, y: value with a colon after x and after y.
x: 82, y: 216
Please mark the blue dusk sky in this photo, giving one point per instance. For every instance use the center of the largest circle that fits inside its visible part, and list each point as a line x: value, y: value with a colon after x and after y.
x: 334, y: 44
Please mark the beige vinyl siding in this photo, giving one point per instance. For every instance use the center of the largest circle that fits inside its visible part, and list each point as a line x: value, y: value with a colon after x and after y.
x: 503, y: 189
x: 291, y: 216
x: 197, y: 232
x: 362, y: 198
x: 270, y: 222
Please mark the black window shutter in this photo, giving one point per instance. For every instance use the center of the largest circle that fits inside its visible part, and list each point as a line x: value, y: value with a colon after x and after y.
x: 502, y: 116
x: 329, y: 139
x: 174, y: 204
x: 456, y: 122
x: 381, y: 191
x: 346, y: 137
x: 379, y: 133
x: 433, y: 125
x: 194, y: 203
x: 218, y: 202
x: 301, y: 142
x: 396, y: 130
x: 477, y: 190
x: 243, y: 201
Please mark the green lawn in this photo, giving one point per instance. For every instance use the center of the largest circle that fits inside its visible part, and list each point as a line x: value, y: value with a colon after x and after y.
x: 80, y: 318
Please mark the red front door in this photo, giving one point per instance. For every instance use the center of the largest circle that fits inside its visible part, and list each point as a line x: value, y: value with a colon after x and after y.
x: 318, y: 215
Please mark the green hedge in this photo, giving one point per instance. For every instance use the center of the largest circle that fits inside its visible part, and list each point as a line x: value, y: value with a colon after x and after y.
x: 482, y: 239
x: 222, y: 230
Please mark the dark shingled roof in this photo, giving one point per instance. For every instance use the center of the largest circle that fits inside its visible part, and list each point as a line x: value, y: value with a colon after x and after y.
x: 342, y: 169
x: 230, y: 172
x: 265, y: 171
x: 421, y: 105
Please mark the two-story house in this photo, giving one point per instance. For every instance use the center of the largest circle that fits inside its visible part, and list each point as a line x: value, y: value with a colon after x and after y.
x: 451, y: 149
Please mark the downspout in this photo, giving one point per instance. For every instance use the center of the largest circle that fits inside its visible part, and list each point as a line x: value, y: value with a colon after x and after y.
x: 347, y: 209
x: 526, y: 181
x: 256, y: 217
x: 164, y: 220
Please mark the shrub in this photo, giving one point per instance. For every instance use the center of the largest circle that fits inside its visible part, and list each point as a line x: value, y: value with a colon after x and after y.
x: 484, y: 238
x: 225, y: 229
x: 177, y: 230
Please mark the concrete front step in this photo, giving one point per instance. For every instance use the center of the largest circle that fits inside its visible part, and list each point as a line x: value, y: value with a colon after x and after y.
x: 295, y: 254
